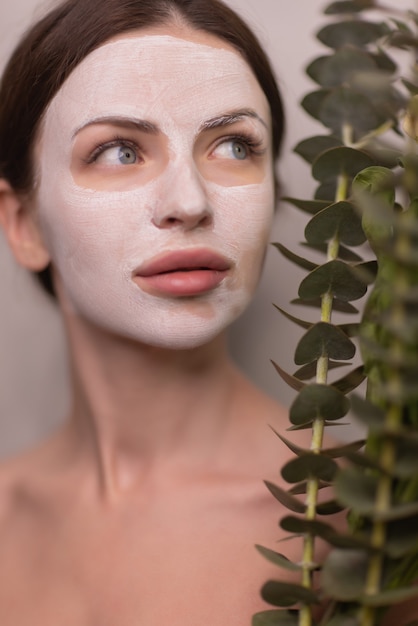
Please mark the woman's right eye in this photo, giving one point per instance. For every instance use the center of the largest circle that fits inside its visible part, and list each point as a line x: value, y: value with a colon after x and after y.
x: 115, y: 154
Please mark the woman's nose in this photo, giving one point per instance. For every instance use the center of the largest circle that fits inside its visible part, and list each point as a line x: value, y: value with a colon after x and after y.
x: 183, y: 201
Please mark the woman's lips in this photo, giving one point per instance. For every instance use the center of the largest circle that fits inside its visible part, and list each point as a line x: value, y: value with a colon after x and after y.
x: 182, y: 273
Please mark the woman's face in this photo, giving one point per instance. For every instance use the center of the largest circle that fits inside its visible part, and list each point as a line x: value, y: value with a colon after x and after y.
x: 155, y: 187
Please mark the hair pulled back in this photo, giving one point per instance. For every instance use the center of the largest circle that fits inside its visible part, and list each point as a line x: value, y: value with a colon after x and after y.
x: 54, y: 46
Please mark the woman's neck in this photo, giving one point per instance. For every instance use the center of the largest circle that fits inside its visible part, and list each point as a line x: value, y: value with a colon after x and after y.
x: 138, y: 408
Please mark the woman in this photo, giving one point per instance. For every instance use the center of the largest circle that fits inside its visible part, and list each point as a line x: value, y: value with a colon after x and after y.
x: 137, y: 149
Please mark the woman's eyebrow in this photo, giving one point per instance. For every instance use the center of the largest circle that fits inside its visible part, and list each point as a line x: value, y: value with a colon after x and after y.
x: 124, y: 122
x: 227, y: 119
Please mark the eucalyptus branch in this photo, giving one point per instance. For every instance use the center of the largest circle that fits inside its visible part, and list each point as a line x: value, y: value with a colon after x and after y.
x: 358, y: 103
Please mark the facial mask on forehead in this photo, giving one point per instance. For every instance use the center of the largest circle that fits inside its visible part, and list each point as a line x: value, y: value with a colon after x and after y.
x: 102, y: 232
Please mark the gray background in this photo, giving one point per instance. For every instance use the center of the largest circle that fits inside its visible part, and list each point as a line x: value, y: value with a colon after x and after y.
x: 33, y: 373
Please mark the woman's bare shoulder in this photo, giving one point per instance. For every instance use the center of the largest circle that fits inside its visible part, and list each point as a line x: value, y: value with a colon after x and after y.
x: 22, y: 476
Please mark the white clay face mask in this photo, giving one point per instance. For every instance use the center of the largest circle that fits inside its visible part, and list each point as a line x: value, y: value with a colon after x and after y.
x: 156, y: 188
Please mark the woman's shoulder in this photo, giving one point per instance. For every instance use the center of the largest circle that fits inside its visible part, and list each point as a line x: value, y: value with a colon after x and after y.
x: 21, y: 480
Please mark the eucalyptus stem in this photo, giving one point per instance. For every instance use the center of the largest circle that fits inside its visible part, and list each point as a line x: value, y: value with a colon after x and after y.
x: 318, y: 427
x: 385, y: 486
x: 379, y: 531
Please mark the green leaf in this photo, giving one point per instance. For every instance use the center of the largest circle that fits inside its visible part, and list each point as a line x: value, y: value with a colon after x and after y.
x: 406, y: 464
x: 288, y: 500
x: 398, y: 512
x: 384, y: 61
x: 377, y: 87
x: 292, y: 318
x: 329, y: 508
x: 323, y: 339
x: 366, y: 271
x: 340, y: 220
x: 393, y: 596
x: 377, y: 180
x: 308, y: 206
x: 355, y: 33
x: 313, y: 102
x: 342, y: 451
x: 309, y: 466
x: 275, y: 618
x: 356, y: 490
x: 292, y: 381
x: 301, y: 488
x: 336, y: 69
x: 412, y: 87
x: 327, y: 191
x: 309, y: 371
x: 344, y: 254
x: 294, y: 258
x: 345, y: 106
x: 351, y: 330
x: 318, y: 402
x: 348, y: 6
x: 344, y: 574
x: 278, y: 559
x: 334, y: 277
x: 302, y: 526
x: 337, y: 305
x: 337, y: 161
x: 368, y: 414
x: 289, y: 444
x: 286, y: 594
x: 402, y: 538
x: 310, y: 148
x: 351, y: 381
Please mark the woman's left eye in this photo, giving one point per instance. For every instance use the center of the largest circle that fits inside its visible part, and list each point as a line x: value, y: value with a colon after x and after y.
x: 117, y: 154
x: 232, y: 149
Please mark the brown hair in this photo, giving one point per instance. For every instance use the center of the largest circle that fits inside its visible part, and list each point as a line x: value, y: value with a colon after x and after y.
x: 52, y: 48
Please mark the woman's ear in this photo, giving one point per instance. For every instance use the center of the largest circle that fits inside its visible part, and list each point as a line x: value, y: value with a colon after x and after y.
x: 21, y: 230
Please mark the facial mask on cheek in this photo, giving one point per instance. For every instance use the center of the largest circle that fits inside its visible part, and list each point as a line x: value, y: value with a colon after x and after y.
x: 98, y: 238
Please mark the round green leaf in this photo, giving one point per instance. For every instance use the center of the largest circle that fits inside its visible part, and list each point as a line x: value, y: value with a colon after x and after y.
x: 344, y: 574
x: 312, y: 102
x: 327, y: 191
x: 336, y: 69
x: 340, y: 220
x: 301, y: 526
x: 275, y: 618
x: 310, y: 148
x: 356, y: 490
x: 355, y: 33
x: 309, y: 466
x: 337, y: 161
x: 378, y: 88
x: 335, y: 277
x: 348, y: 6
x: 324, y: 339
x: 318, y: 402
x: 344, y: 106
x: 286, y: 594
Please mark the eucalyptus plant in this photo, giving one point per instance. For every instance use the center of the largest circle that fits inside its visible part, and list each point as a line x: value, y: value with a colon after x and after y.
x: 366, y: 167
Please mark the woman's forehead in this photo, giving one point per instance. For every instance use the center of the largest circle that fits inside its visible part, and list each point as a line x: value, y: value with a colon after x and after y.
x: 142, y: 73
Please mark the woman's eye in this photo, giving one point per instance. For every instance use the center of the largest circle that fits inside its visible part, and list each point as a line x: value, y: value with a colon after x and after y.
x: 117, y: 155
x: 232, y: 149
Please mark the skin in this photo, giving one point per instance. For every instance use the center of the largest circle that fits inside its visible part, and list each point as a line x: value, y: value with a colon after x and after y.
x: 145, y: 507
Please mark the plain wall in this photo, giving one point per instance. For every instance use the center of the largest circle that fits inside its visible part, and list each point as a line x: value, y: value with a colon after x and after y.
x: 33, y: 373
